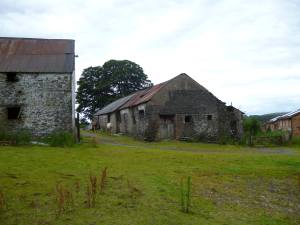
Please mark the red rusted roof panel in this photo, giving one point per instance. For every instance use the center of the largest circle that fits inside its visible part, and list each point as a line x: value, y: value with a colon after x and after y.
x: 36, y: 55
x: 143, y: 96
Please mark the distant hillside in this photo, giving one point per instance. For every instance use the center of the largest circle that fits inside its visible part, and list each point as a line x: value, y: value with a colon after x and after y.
x: 266, y: 117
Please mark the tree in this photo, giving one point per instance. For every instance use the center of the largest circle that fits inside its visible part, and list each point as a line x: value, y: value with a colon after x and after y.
x: 99, y: 86
x: 251, y: 126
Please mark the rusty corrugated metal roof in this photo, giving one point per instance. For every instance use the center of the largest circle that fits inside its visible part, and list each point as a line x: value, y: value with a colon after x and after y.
x: 143, y: 96
x: 31, y: 55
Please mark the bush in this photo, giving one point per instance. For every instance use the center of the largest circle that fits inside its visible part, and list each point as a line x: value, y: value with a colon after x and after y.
x: 61, y: 139
x: 21, y: 137
x: 295, y: 141
x: 3, y: 135
x: 251, y: 126
x: 226, y: 140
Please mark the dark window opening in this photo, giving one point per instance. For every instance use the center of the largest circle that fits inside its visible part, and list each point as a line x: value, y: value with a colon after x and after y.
x: 141, y: 114
x: 188, y: 119
x: 118, y: 117
x: 209, y: 117
x: 133, y: 118
x: 166, y: 118
x: 13, y: 113
x: 108, y: 118
x: 11, y: 77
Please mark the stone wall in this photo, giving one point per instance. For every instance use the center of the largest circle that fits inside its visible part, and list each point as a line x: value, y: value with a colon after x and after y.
x: 45, y: 101
x: 181, y: 109
x: 296, y: 126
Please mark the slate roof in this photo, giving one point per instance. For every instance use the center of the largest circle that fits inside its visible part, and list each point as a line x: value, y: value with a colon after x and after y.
x: 29, y: 55
x: 113, y: 106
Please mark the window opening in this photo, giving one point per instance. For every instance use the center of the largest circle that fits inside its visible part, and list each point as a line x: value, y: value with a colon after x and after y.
x: 141, y: 114
x: 11, y: 77
x: 188, y: 119
x: 13, y: 113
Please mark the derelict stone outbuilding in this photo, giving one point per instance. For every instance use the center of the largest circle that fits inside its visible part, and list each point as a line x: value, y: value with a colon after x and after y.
x: 176, y: 109
x: 37, y: 85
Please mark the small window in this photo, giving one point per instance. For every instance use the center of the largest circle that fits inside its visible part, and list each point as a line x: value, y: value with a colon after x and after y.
x: 209, y: 117
x: 11, y: 77
x: 13, y: 113
x: 188, y: 119
x: 166, y: 118
x: 133, y: 117
x: 108, y: 118
x: 141, y: 114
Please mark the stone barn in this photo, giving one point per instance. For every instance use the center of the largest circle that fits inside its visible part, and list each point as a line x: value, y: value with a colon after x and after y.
x: 37, y: 85
x: 176, y: 109
x: 289, y: 123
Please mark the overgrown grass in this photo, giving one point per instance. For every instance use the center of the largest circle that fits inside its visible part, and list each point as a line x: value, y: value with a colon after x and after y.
x: 295, y: 141
x: 22, y: 137
x: 61, y: 139
x: 230, y: 184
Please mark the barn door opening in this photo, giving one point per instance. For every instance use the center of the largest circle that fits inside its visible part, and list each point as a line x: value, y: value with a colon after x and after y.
x: 166, y: 127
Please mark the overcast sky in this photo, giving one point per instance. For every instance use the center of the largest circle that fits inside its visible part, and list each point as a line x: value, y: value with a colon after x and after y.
x: 244, y: 52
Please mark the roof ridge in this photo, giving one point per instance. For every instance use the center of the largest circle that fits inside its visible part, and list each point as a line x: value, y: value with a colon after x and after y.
x: 46, y: 39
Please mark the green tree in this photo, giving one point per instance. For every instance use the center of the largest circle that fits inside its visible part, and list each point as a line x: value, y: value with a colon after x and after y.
x: 99, y: 86
x: 251, y: 126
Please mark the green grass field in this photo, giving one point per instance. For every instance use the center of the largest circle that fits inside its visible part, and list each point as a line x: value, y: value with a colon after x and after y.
x: 230, y: 184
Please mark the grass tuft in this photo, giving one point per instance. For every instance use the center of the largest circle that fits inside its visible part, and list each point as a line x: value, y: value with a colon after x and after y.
x: 64, y: 198
x: 61, y: 139
x: 103, y: 177
x: 88, y: 196
x: 185, y: 195
x: 2, y: 202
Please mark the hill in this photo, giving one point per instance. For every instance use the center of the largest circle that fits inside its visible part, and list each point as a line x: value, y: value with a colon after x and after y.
x: 266, y: 117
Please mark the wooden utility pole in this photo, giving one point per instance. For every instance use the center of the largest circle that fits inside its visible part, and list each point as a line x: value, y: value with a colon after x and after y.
x: 78, y: 128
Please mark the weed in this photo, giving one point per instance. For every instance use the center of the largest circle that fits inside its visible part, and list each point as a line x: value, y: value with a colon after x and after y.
x: 299, y: 181
x: 69, y: 198
x: 34, y: 204
x: 94, y: 142
x: 185, y: 195
x: 133, y: 190
x: 103, y: 179
x: 93, y: 183
x: 64, y: 198
x: 295, y: 141
x: 182, y: 196
x: 21, y: 137
x: 88, y: 196
x: 77, y: 186
x: 61, y: 139
x: 60, y: 198
x: 2, y: 201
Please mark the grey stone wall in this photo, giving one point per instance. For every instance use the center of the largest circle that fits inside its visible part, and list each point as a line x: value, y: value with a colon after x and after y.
x: 209, y: 118
x: 46, y: 101
x: 181, y: 109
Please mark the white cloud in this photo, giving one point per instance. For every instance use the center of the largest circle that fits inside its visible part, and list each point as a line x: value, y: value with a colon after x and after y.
x: 245, y: 52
